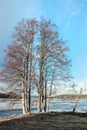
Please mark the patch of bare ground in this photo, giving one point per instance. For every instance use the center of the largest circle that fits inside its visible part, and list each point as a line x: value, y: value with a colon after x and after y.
x: 45, y: 121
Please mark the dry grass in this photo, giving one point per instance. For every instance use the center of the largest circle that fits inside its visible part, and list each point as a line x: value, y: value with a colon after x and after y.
x: 45, y: 121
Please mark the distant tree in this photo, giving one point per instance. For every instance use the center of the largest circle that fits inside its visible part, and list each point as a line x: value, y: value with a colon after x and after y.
x: 78, y: 95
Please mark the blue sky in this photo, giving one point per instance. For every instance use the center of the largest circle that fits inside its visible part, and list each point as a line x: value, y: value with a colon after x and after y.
x: 69, y: 15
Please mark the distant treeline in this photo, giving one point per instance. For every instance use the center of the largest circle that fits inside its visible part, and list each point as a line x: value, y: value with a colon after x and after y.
x: 9, y: 95
x: 4, y: 95
x: 72, y: 96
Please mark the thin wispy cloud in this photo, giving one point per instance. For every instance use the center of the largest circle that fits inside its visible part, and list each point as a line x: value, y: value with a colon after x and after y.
x: 76, y: 13
x: 72, y: 8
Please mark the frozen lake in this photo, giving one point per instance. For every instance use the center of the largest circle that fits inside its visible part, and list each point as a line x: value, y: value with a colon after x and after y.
x: 9, y: 106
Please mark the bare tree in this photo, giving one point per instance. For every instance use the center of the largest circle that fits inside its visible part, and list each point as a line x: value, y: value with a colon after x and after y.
x: 18, y: 67
x: 52, y: 58
x: 78, y: 95
x: 36, y: 58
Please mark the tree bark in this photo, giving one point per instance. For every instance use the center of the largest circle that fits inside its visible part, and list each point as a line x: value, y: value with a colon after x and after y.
x: 45, y: 92
x: 30, y: 78
x: 23, y: 98
x: 41, y: 79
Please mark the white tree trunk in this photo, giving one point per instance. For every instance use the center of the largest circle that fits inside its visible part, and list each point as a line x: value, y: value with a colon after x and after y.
x: 23, y: 99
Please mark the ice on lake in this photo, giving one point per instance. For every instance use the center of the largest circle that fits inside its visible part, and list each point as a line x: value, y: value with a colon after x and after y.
x: 10, y: 106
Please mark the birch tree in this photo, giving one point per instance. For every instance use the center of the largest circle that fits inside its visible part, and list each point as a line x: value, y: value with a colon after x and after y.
x: 53, y: 62
x: 19, y: 59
